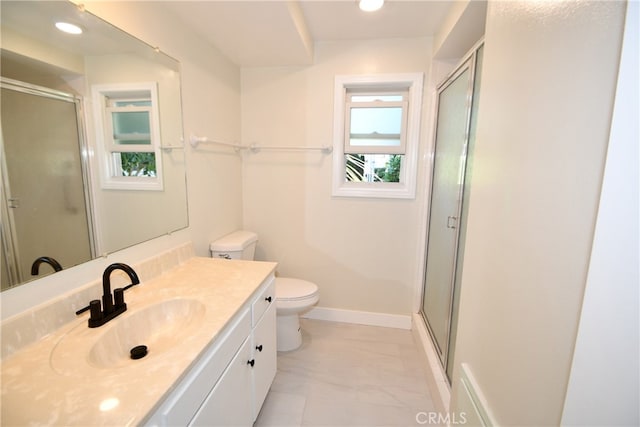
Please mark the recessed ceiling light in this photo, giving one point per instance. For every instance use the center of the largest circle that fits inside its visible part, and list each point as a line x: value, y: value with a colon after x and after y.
x: 68, y: 28
x: 370, y: 5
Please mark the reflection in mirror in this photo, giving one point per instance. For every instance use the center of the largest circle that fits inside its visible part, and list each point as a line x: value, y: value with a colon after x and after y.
x: 46, y: 204
x: 57, y: 158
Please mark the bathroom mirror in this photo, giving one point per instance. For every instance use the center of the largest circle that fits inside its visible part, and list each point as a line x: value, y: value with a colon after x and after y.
x: 58, y: 138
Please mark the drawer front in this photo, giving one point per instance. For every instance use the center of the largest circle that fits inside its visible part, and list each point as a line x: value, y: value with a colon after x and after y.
x: 179, y: 408
x: 266, y: 297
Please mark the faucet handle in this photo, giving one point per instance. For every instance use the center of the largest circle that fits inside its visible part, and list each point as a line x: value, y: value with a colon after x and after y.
x: 95, y: 311
x: 118, y: 296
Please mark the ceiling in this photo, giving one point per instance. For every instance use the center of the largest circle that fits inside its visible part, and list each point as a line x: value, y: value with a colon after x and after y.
x: 281, y: 33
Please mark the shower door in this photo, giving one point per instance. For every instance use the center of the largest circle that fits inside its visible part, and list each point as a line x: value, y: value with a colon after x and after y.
x: 44, y: 204
x: 447, y: 209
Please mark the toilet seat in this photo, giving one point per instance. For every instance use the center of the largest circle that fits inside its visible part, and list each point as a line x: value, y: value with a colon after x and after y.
x: 290, y: 289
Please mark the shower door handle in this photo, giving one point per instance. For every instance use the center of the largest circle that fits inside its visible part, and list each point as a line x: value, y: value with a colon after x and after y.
x: 452, y: 222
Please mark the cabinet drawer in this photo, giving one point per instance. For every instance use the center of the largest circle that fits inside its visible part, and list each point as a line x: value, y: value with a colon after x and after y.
x: 185, y: 400
x: 266, y: 297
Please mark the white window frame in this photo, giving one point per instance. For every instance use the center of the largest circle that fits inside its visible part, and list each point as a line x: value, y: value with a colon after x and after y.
x: 406, y: 188
x: 110, y: 172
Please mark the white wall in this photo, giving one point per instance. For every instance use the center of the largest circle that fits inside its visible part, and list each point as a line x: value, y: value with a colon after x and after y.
x: 211, y: 107
x: 360, y: 252
x: 604, y: 387
x: 547, y: 95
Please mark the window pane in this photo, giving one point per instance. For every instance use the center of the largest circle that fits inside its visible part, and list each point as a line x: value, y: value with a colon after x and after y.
x: 135, y: 164
x: 131, y: 127
x: 373, y: 167
x: 375, y: 126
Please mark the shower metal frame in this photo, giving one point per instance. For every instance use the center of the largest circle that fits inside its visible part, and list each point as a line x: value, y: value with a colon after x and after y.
x: 469, y: 62
x: 7, y: 229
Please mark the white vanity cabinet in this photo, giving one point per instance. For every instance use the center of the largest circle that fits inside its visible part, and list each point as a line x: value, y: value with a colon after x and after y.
x: 227, y: 385
x: 264, y: 350
x: 229, y: 402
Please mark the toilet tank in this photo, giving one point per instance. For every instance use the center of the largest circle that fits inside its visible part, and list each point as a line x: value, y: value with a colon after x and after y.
x: 240, y: 244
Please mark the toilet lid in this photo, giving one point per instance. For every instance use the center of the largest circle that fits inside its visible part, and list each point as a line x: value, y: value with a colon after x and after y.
x: 288, y: 289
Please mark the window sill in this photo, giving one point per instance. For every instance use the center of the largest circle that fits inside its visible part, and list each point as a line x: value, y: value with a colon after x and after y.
x: 386, y: 190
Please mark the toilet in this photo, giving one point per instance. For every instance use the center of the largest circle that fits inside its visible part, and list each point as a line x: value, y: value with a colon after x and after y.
x: 293, y: 296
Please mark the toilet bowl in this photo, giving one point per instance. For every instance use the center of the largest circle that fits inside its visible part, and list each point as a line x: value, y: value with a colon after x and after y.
x: 293, y: 296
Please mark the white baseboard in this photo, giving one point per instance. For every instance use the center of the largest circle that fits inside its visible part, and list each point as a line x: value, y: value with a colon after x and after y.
x: 359, y: 317
x: 437, y: 373
x: 471, y: 401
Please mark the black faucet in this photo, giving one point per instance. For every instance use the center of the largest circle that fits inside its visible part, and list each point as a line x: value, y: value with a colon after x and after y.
x: 112, y: 305
x: 35, y: 267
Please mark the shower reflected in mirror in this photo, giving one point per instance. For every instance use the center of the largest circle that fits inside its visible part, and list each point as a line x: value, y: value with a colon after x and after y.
x: 55, y: 200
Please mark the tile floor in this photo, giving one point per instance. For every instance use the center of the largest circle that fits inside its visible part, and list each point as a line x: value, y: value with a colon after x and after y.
x: 348, y: 375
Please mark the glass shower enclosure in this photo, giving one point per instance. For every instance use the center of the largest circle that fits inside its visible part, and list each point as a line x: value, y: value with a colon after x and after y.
x: 457, y: 101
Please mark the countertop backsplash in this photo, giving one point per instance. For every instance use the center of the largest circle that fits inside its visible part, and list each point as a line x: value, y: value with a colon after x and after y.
x: 31, y: 325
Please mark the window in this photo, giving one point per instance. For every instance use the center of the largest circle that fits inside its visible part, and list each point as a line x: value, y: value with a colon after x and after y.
x: 376, y: 135
x: 129, y: 136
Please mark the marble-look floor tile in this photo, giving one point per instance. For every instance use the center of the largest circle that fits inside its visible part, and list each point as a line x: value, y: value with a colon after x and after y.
x: 348, y: 375
x: 347, y: 412
x: 281, y: 410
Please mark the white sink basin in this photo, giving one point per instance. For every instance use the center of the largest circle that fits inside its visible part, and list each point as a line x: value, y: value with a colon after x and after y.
x: 160, y: 327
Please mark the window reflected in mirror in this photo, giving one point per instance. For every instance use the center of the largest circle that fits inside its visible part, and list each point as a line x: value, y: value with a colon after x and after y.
x: 140, y: 140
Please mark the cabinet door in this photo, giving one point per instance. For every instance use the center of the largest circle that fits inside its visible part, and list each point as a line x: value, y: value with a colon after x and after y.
x: 229, y: 403
x: 265, y: 355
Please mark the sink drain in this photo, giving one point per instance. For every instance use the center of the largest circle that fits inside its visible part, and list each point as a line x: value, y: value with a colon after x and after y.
x: 138, y: 352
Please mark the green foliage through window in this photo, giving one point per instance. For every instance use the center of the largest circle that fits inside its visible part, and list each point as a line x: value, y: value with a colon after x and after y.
x: 138, y: 164
x: 373, y: 167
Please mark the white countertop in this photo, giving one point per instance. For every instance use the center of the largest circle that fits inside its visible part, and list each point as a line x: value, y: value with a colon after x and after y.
x: 33, y: 392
